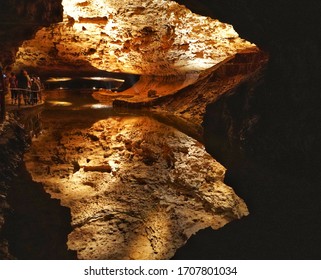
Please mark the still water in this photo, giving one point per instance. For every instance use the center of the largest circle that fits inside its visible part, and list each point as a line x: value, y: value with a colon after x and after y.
x: 81, y: 108
x: 109, y: 183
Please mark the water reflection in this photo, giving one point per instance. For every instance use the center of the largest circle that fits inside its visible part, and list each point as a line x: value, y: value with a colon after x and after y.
x: 83, y: 83
x: 80, y: 107
x: 137, y: 189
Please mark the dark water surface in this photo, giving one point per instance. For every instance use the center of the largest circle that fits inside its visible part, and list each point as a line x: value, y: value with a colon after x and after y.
x: 80, y: 107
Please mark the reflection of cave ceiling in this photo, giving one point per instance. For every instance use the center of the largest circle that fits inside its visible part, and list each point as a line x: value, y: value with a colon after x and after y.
x: 143, y: 37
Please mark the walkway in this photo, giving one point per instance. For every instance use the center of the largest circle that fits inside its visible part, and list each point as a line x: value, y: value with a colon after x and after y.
x: 13, y: 107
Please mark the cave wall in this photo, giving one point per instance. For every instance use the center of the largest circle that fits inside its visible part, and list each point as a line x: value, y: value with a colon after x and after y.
x: 142, y: 37
x: 33, y: 225
x: 20, y: 19
x: 268, y: 135
x: 12, y: 146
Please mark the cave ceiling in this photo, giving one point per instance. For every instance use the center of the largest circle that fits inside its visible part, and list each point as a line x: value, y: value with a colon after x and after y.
x: 140, y: 37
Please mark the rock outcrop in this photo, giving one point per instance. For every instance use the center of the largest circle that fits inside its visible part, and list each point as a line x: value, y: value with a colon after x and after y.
x: 143, y: 37
x: 137, y: 189
x: 19, y: 21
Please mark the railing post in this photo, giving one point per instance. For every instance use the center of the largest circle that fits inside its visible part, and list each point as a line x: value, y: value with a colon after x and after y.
x: 2, y: 96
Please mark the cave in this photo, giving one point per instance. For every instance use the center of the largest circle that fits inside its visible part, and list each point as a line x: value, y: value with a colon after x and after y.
x: 168, y: 130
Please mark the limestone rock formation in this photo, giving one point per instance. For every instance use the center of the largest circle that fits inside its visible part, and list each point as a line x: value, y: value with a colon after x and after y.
x: 274, y: 128
x: 137, y: 189
x: 142, y: 37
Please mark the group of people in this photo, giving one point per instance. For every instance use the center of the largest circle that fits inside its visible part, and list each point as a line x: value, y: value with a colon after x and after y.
x: 23, y: 86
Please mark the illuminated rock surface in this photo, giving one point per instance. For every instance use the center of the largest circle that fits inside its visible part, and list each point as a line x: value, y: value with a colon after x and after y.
x: 142, y: 37
x: 282, y: 116
x: 137, y: 189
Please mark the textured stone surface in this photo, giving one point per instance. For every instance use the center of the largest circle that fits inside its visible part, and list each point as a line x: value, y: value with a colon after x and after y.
x: 137, y: 189
x: 141, y: 37
x: 276, y: 120
x: 12, y: 146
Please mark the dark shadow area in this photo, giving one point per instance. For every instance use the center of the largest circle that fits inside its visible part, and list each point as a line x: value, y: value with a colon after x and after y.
x: 19, y: 21
x: 37, y: 226
x: 268, y: 136
x: 269, y: 141
x: 84, y: 83
x: 283, y: 221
